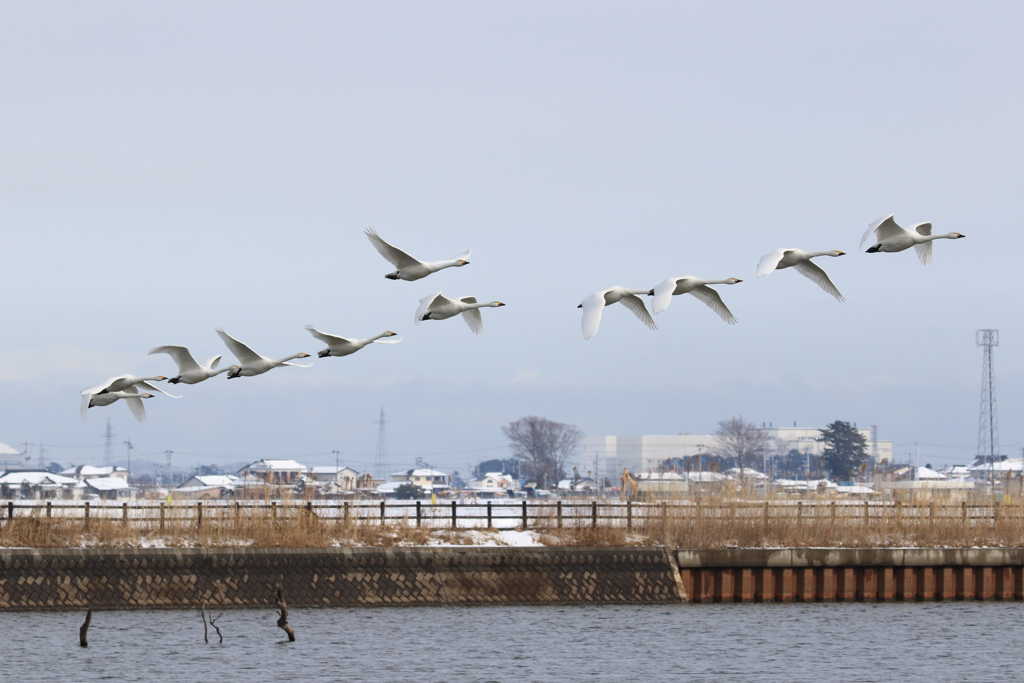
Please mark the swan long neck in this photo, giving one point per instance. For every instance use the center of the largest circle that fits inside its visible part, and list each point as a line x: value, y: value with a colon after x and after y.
x: 291, y: 357
x: 946, y: 236
x: 214, y: 373
x: 441, y: 265
x: 815, y: 254
x: 489, y: 304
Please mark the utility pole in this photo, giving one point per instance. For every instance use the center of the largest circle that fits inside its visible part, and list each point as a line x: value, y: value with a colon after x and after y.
x: 108, y: 448
x: 128, y: 450
x: 337, y: 468
x: 381, y: 466
x: 988, y: 423
x: 170, y: 478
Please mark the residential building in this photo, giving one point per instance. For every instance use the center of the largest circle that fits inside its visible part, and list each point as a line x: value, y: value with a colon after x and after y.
x: 275, y: 472
x: 428, y: 479
x: 109, y: 488
x: 83, y: 472
x: 340, y: 478
x: 39, y: 485
x: 206, y: 487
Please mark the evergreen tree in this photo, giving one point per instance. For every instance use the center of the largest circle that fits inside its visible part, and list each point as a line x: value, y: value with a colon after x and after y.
x: 845, y: 449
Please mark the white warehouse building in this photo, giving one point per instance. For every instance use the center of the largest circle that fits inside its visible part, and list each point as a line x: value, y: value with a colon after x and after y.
x: 609, y: 455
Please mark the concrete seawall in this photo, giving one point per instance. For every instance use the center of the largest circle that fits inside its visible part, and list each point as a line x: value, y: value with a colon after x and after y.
x: 368, y: 577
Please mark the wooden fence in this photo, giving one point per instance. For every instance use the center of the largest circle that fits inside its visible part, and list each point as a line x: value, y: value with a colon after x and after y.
x: 523, y: 514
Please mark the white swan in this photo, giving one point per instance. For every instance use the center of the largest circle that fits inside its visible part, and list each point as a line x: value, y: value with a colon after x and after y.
x: 801, y: 260
x: 121, y: 383
x: 189, y: 371
x: 251, y: 363
x: 696, y: 286
x: 130, y: 395
x: 892, y: 237
x: 437, y: 307
x: 594, y: 304
x: 340, y: 346
x: 410, y: 268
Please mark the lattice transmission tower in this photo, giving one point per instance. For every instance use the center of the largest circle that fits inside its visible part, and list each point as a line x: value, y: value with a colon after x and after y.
x: 381, y: 464
x: 108, y: 447
x: 988, y: 421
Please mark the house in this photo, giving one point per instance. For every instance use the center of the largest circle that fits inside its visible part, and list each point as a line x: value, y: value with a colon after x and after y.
x: 40, y: 485
x: 663, y: 483
x: 82, y: 472
x: 580, y: 485
x: 428, y: 479
x: 209, y: 487
x: 286, y: 472
x: 109, y: 488
x: 492, y: 481
x: 337, y: 478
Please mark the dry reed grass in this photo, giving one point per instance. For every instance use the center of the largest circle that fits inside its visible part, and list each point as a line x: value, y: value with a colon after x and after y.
x: 713, y: 522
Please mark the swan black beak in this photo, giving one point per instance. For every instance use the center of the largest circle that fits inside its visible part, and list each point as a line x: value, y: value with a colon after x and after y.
x: 738, y: 280
x: 958, y: 235
x: 650, y: 293
x: 580, y: 306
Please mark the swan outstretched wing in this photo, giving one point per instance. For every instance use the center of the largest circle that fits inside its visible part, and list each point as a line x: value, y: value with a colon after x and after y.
x: 472, y: 316
x: 923, y: 228
x: 769, y: 261
x: 636, y: 304
x: 425, y: 304
x: 86, y: 399
x: 214, y: 362
x: 883, y: 229
x: 150, y: 387
x: 387, y: 340
x: 592, y: 306
x: 328, y: 339
x: 103, y: 386
x: 181, y: 357
x: 713, y: 300
x: 815, y: 274
x: 298, y: 365
x: 397, y: 257
x: 663, y: 295
x: 924, y: 253
x: 242, y: 352
x: 464, y: 255
x: 135, y: 404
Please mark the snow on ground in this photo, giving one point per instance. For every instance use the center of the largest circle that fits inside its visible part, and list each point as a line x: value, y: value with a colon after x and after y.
x: 507, y: 537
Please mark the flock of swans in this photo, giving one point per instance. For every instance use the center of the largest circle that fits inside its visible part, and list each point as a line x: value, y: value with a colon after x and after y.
x: 889, y: 237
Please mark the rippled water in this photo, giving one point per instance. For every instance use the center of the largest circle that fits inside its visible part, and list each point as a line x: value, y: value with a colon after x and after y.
x: 819, y: 642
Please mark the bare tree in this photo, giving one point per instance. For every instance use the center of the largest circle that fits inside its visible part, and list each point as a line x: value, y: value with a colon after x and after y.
x: 742, y: 441
x: 542, y: 447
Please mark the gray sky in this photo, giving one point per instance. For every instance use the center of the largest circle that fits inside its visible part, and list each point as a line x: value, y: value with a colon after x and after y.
x: 167, y: 170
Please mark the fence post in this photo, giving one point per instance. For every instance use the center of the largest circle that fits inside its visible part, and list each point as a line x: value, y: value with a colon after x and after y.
x: 558, y: 508
x: 346, y: 512
x: 963, y: 511
x: 931, y: 510
x: 124, y: 514
x: 382, y: 502
x: 995, y: 515
x: 833, y: 514
x: 273, y: 510
x: 199, y: 515
x: 419, y: 513
x: 309, y: 509
x: 49, y: 505
x: 799, y: 512
x: 524, y: 515
x: 455, y: 523
x: 162, y: 517
x: 593, y: 514
x: 629, y: 514
x: 238, y: 514
x: 867, y: 515
x: 488, y: 514
x: 11, y: 511
x: 765, y: 516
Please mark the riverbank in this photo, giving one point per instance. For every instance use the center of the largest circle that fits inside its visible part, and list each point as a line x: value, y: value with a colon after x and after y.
x: 169, y: 578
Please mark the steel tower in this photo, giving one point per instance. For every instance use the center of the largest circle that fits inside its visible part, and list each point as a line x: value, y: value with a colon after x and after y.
x: 381, y: 466
x: 988, y: 422
x: 108, y: 446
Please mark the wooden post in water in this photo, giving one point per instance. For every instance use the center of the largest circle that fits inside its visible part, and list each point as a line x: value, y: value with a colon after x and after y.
x: 83, y: 632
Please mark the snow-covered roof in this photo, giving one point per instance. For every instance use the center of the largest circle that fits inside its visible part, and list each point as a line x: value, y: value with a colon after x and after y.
x: 332, y: 470
x: 210, y: 480
x: 927, y: 473
x: 421, y: 472
x: 1001, y: 466
x: 37, y: 479
x: 746, y: 472
x: 856, y: 489
x: 83, y: 471
x: 285, y: 465
x: 107, y: 483
x: 7, y: 450
x: 659, y: 476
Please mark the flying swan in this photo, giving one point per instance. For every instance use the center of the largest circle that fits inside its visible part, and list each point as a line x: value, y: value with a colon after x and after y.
x: 130, y: 395
x: 119, y: 385
x: 594, y: 304
x: 340, y: 346
x: 189, y: 371
x: 251, y: 363
x: 892, y: 237
x: 437, y: 307
x: 409, y: 268
x: 696, y: 286
x: 801, y: 260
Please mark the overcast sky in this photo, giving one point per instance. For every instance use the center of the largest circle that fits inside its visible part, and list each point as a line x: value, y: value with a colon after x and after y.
x: 166, y: 169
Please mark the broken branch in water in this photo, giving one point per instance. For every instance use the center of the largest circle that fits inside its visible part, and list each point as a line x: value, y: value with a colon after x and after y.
x: 202, y: 613
x: 282, y: 622
x: 83, y: 632
x: 213, y: 623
